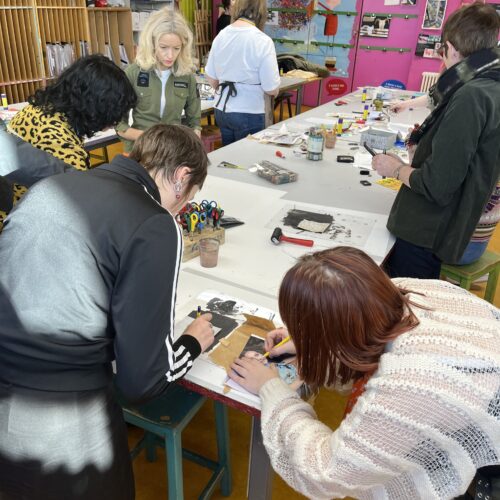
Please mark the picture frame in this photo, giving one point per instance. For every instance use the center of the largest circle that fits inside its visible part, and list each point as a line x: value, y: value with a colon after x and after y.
x: 434, y: 14
x: 375, y: 26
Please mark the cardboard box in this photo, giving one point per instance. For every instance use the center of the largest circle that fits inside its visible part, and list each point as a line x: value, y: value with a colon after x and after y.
x: 136, y: 21
x: 143, y: 18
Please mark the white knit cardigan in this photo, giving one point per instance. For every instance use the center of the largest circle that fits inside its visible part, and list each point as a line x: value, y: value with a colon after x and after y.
x: 429, y: 417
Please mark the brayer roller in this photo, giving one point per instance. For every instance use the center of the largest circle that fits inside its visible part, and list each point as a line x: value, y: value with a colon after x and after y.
x: 277, y: 237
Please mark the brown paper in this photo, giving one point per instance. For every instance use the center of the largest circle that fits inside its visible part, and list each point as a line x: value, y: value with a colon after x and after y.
x: 224, y: 354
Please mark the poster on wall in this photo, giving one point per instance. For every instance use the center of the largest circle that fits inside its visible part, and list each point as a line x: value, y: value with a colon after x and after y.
x: 375, y: 26
x: 428, y: 46
x: 272, y: 18
x: 434, y: 14
x: 408, y: 2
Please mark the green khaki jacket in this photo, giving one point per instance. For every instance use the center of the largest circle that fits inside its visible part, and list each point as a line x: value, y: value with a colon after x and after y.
x: 457, y: 166
x: 181, y: 94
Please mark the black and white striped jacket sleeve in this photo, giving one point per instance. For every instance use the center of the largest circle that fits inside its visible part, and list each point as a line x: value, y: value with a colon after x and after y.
x: 142, y: 308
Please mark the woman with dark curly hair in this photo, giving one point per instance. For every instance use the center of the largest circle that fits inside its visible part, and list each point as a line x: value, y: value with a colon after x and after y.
x: 90, y: 95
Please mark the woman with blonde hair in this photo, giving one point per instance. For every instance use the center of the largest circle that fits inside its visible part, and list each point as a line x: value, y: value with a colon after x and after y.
x: 242, y: 65
x: 163, y: 77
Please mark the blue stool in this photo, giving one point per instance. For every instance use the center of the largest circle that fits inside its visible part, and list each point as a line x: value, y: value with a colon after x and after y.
x: 163, y: 420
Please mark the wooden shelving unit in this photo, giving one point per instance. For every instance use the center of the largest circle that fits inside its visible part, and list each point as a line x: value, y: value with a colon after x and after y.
x: 26, y: 26
x: 112, y: 26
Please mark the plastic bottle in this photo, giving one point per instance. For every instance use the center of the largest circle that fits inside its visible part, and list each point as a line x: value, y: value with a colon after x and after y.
x: 340, y: 126
x: 366, y: 112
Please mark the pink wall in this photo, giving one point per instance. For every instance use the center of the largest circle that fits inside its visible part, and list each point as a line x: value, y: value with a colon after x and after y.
x: 374, y: 66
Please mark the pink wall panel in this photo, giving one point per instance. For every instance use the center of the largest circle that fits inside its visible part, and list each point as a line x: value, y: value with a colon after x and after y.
x: 373, y: 67
x: 216, y: 10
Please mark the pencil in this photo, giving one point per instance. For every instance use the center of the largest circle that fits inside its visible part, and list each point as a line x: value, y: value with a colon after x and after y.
x: 279, y: 344
x: 198, y: 312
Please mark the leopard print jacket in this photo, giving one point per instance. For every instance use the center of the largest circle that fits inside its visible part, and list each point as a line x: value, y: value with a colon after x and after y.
x: 50, y: 133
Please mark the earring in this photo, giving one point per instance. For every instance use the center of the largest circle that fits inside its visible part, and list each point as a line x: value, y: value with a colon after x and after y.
x: 178, y: 189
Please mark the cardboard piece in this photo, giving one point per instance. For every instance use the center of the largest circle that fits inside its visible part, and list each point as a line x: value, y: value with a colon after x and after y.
x: 224, y: 354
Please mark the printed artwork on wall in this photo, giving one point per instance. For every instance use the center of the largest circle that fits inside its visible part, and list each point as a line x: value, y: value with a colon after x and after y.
x: 408, y: 2
x: 434, y: 14
x: 375, y: 26
x: 314, y: 31
x: 428, y: 45
x: 272, y: 18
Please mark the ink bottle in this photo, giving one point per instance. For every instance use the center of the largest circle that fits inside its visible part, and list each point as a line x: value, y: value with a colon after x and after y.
x: 315, y: 144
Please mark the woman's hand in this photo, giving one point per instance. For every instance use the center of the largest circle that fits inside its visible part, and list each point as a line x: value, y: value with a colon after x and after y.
x: 398, y: 106
x: 386, y: 165
x: 251, y: 374
x: 201, y: 329
x: 276, y: 336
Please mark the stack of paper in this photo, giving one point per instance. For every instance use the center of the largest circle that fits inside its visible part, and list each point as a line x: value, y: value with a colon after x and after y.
x: 59, y: 57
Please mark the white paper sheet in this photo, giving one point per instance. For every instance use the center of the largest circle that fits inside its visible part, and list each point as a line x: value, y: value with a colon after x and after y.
x: 363, y: 159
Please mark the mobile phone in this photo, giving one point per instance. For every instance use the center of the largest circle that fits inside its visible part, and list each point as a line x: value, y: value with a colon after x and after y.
x: 369, y: 149
x: 365, y: 183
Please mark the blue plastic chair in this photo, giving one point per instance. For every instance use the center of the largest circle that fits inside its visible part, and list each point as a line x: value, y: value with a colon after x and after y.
x: 163, y: 420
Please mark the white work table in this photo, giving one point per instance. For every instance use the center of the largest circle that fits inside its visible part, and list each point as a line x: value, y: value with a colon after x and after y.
x: 208, y: 379
x: 324, y: 182
x: 248, y: 259
x: 250, y: 267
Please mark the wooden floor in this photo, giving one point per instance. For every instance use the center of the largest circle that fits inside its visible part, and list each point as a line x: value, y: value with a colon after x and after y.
x: 150, y: 478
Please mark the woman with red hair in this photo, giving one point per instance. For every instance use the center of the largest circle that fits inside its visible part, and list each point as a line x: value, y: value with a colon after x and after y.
x: 425, y: 358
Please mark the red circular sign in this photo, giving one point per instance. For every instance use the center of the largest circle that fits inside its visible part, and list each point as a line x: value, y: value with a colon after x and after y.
x: 336, y: 86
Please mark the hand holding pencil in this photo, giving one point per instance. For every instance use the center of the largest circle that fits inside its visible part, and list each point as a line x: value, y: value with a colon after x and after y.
x: 278, y: 342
